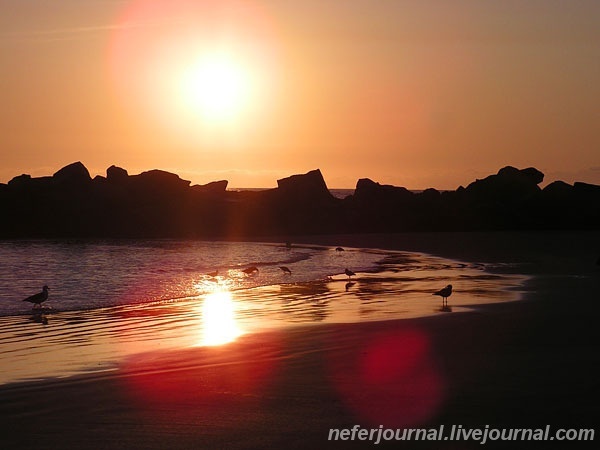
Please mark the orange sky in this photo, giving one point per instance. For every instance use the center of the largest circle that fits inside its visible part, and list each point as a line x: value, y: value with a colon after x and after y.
x: 418, y: 94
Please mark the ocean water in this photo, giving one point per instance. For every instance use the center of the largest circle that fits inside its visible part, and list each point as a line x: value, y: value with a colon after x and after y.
x: 112, y: 300
x: 97, y: 274
x: 87, y: 275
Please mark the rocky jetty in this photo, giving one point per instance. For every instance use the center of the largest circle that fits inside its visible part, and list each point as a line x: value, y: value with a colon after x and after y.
x: 161, y: 204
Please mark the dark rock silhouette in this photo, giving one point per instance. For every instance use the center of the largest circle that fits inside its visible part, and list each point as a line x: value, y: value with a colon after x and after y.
x: 116, y: 174
x: 159, y: 180
x: 508, y: 185
x: 75, y: 175
x: 20, y: 181
x: 367, y: 190
x: 377, y: 207
x: 26, y: 183
x: 161, y: 204
x: 589, y: 190
x: 558, y: 191
x: 214, y: 187
x: 309, y: 187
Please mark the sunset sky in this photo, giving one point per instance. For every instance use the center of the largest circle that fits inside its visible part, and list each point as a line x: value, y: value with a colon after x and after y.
x: 412, y: 93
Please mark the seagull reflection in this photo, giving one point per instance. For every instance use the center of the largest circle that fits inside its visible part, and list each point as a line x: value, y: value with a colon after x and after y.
x: 349, y: 284
x: 39, y: 317
x: 250, y: 270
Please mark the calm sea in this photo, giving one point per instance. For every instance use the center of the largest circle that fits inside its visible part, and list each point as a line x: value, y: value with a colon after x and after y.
x: 98, y: 274
x: 84, y: 275
x: 110, y: 300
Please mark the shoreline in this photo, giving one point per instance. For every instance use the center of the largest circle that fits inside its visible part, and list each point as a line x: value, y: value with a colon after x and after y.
x: 397, y: 287
x: 513, y: 364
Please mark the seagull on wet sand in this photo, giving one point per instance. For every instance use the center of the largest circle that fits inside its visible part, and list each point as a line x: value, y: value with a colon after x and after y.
x: 39, y: 298
x: 349, y: 273
x: 444, y: 293
x: 339, y: 249
x: 285, y: 270
x: 250, y: 270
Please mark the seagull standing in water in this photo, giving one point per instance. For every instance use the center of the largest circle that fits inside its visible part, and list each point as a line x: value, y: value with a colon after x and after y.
x: 444, y: 293
x: 285, y: 270
x: 39, y: 298
x: 250, y: 270
x: 349, y: 273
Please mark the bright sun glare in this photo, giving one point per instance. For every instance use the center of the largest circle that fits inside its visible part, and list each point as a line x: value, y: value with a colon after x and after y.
x: 200, y: 70
x: 216, y: 87
x: 218, y: 319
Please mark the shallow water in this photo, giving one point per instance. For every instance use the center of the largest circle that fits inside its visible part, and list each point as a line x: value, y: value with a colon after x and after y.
x: 88, y: 274
x: 114, y: 300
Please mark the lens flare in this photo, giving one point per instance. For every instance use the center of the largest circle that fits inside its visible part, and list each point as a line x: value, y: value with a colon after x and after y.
x: 391, y: 380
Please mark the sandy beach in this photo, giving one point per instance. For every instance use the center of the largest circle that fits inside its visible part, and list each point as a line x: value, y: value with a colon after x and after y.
x: 519, y: 364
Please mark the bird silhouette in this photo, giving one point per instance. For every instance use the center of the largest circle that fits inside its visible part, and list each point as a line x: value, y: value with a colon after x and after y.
x: 250, y: 270
x: 349, y: 273
x: 444, y: 293
x: 339, y: 249
x: 39, y: 298
x: 213, y: 274
x: 285, y: 270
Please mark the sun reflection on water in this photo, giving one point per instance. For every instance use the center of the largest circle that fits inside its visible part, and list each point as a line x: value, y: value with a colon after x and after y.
x: 219, y: 324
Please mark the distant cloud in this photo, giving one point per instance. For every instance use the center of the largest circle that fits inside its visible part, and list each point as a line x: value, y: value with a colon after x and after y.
x: 77, y: 32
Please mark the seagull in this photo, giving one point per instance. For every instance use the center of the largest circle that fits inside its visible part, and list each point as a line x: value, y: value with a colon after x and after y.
x: 250, y: 270
x: 339, y: 249
x: 213, y: 274
x: 349, y: 273
x: 285, y: 270
x: 444, y: 293
x: 39, y: 298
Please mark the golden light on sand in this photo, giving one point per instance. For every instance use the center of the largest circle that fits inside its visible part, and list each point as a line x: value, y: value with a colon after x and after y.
x: 219, y: 325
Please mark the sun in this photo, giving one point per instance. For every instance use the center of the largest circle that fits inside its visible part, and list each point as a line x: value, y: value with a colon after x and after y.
x: 215, y: 87
x: 195, y: 74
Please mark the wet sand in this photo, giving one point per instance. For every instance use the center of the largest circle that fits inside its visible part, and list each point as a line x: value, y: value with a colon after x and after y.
x: 515, y: 364
x: 54, y: 343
